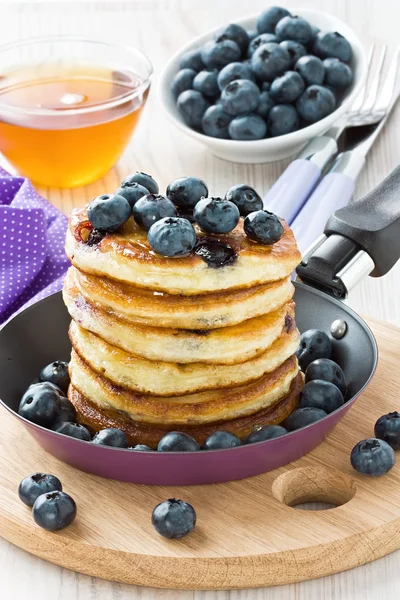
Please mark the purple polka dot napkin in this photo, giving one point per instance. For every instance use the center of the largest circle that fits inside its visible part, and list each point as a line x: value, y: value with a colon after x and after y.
x: 32, y: 257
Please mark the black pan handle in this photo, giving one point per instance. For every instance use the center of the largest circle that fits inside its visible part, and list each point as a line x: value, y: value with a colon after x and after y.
x: 361, y: 238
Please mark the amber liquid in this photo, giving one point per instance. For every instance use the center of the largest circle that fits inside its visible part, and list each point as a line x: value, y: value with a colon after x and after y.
x: 46, y: 136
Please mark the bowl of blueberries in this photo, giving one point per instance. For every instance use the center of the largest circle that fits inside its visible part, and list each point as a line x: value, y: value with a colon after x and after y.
x: 259, y: 89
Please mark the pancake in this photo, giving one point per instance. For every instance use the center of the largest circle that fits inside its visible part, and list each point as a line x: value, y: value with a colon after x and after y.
x: 229, y: 345
x: 168, y: 379
x: 191, y: 409
x: 97, y: 418
x: 207, y: 311
x: 126, y: 256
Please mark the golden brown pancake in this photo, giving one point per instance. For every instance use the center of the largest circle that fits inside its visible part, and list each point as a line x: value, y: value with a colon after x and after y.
x: 200, y: 407
x: 96, y: 418
x: 205, y: 311
x: 229, y: 345
x: 126, y: 256
x: 173, y: 379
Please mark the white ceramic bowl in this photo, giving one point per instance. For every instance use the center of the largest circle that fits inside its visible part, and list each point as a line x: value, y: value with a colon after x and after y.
x: 270, y: 149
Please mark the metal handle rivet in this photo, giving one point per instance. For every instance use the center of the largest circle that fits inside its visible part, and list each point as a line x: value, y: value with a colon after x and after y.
x: 338, y: 329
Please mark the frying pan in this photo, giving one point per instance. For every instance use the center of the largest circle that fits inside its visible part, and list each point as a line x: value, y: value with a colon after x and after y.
x: 362, y: 238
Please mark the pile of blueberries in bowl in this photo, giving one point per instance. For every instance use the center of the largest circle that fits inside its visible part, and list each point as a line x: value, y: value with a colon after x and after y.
x: 249, y: 85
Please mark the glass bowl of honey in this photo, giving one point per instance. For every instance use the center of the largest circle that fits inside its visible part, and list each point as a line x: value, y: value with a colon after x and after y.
x: 68, y: 107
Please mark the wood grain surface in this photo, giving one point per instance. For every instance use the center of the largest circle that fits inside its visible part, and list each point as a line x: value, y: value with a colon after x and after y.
x: 160, y: 27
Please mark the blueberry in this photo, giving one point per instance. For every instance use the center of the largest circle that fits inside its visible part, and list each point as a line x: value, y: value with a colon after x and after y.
x: 33, y: 486
x: 304, y: 416
x: 265, y: 86
x: 111, y: 436
x: 335, y: 91
x: 206, y: 83
x: 314, y: 32
x: 265, y: 104
x: 185, y: 192
x: 247, y: 127
x: 268, y: 20
x: 314, y: 343
x: 321, y: 394
x: 251, y: 34
x: 269, y: 61
x: 233, y: 71
x: 151, y: 208
x: 326, y: 369
x: 388, y: 428
x: 108, y: 212
x: 240, y: 97
x: 192, y: 60
x: 175, y: 441
x: 221, y: 440
x: 337, y: 73
x: 245, y: 197
x: 50, y: 386
x: 315, y: 103
x: 57, y: 373
x: 95, y: 237
x: 287, y: 88
x: 216, y: 215
x: 267, y: 432
x: 40, y: 404
x: 372, y: 457
x: 192, y: 105
x: 263, y: 226
x: 312, y: 69
x: 263, y: 38
x: 143, y: 179
x: 216, y: 122
x: 332, y: 45
x: 237, y: 34
x: 74, y: 430
x: 132, y: 192
x: 172, y: 237
x: 173, y: 519
x: 216, y: 254
x: 216, y: 55
x: 294, y: 28
x: 142, y: 448
x: 54, y: 510
x: 282, y: 119
x: 66, y: 412
x: 295, y: 50
x: 182, y: 81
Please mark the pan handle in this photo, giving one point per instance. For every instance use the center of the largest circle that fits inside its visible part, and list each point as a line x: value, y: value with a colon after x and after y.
x: 359, y: 239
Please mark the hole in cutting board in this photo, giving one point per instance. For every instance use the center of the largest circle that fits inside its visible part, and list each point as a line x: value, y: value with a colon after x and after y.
x: 314, y: 506
x: 324, y: 488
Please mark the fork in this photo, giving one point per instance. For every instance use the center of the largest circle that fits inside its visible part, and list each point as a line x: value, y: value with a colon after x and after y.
x: 292, y: 189
x: 361, y: 129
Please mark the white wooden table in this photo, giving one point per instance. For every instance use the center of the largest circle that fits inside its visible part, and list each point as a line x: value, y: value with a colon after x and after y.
x: 159, y: 28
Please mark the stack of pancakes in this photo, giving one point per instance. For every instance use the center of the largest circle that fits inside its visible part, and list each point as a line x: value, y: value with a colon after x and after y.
x: 192, y: 344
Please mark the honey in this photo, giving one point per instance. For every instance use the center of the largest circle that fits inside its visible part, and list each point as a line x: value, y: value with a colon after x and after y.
x: 65, y: 125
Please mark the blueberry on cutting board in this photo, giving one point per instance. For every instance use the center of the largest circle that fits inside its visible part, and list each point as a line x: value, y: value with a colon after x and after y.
x: 35, y: 485
x: 372, y: 457
x: 173, y: 519
x: 387, y: 428
x: 54, y: 510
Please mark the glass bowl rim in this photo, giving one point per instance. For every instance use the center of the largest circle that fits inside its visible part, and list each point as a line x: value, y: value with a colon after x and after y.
x: 7, y: 108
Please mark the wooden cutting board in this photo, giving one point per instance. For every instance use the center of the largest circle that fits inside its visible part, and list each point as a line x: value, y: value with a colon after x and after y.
x: 247, y: 534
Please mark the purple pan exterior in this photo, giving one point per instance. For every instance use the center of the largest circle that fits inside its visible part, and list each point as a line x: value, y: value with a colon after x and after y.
x: 191, y: 468
x: 357, y: 353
